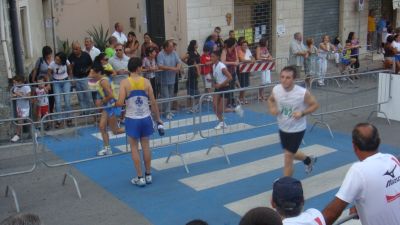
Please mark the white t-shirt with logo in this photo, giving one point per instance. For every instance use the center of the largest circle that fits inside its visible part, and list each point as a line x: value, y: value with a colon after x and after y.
x: 373, y: 185
x: 308, y: 217
x: 218, y: 74
x: 60, y: 72
x: 287, y: 103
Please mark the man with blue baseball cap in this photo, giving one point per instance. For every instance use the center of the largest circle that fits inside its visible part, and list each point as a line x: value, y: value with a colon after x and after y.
x: 288, y: 201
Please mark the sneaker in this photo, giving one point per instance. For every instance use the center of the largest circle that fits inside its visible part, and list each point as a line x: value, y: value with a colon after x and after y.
x: 310, y: 166
x: 148, y: 178
x: 239, y: 110
x: 105, y: 151
x: 140, y: 182
x: 221, y: 125
x: 321, y: 83
x: 15, y: 138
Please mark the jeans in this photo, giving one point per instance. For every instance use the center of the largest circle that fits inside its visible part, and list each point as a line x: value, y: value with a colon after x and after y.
x: 62, y: 87
x: 84, y: 98
x: 167, y: 91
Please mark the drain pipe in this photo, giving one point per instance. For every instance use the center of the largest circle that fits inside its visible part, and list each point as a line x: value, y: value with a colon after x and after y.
x: 3, y: 40
x: 18, y: 54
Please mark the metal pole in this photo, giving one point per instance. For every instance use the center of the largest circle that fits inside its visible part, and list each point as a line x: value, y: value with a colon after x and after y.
x: 53, y: 29
x: 18, y: 53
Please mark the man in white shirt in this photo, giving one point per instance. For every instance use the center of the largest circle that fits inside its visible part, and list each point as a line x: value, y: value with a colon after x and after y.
x: 291, y: 103
x: 372, y: 185
x: 119, y: 33
x: 297, y: 52
x: 90, y: 49
x: 288, y: 200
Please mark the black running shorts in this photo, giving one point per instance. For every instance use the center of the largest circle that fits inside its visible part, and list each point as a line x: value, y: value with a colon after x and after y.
x: 291, y: 141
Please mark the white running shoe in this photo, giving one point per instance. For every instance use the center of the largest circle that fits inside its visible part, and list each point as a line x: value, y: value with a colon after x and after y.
x: 169, y: 116
x: 105, y: 151
x: 221, y: 125
x: 148, y: 178
x: 310, y: 166
x: 239, y: 110
x: 140, y: 182
x: 15, y: 138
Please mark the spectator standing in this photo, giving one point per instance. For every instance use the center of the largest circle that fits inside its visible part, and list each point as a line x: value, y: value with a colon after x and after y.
x: 297, y: 52
x: 261, y: 216
x: 312, y: 61
x: 90, y: 49
x: 291, y: 103
x: 119, y: 61
x: 206, y: 69
x: 232, y: 34
x: 60, y: 72
x: 325, y: 49
x: 170, y: 64
x: 81, y: 64
x: 41, y: 91
x: 371, y: 38
x: 355, y: 46
x: 150, y: 68
x: 380, y: 30
x: 221, y: 77
x: 338, y: 50
x: 211, y: 42
x: 132, y: 45
x: 372, y: 184
x: 20, y: 90
x: 396, y: 46
x: 192, y: 59
x: 110, y: 50
x: 147, y: 44
x: 262, y: 54
x: 288, y: 200
x: 219, y: 41
x: 138, y: 95
x: 229, y: 57
x: 245, y: 57
x: 119, y: 33
x: 41, y: 69
x: 390, y: 52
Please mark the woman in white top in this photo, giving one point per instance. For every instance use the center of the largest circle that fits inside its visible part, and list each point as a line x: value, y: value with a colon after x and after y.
x: 325, y: 48
x: 221, y: 77
x: 262, y: 53
x: 60, y: 71
x: 245, y: 56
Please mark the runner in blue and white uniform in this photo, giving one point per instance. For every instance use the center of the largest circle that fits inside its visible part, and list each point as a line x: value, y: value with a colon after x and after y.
x: 137, y: 93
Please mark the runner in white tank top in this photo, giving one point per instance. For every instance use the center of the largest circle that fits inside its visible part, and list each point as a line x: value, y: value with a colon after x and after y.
x: 290, y: 103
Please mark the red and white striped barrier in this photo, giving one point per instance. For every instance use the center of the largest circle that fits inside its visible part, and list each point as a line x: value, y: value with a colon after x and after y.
x: 257, y: 66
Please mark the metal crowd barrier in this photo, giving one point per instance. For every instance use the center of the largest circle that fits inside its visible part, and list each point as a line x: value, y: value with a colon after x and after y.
x: 18, y: 158
x: 342, y: 93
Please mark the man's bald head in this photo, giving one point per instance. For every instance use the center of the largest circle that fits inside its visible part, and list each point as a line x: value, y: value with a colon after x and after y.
x: 366, y: 137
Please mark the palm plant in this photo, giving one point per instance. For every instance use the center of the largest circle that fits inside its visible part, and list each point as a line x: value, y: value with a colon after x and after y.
x: 65, y: 46
x: 100, y: 37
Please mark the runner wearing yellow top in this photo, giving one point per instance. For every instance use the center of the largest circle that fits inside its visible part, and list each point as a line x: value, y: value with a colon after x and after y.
x: 137, y: 93
x: 107, y: 98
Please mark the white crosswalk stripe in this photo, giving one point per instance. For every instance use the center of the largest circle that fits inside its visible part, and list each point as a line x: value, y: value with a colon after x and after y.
x: 243, y: 171
x: 162, y: 141
x: 231, y: 148
x: 169, y: 125
x: 312, y: 187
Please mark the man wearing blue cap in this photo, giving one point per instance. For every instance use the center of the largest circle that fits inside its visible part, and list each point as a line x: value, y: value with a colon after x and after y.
x: 288, y: 200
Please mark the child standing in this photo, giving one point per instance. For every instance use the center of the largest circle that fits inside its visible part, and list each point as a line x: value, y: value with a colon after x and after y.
x: 19, y: 91
x: 312, y: 61
x: 205, y: 70
x: 42, y: 100
x: 347, y: 59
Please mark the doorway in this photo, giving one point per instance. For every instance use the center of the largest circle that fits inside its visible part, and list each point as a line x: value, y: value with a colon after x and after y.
x: 156, y: 20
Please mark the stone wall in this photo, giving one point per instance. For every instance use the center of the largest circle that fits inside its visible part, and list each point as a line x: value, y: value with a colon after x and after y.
x: 203, y: 16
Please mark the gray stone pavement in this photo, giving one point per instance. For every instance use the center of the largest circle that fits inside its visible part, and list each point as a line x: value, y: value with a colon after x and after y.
x: 41, y: 192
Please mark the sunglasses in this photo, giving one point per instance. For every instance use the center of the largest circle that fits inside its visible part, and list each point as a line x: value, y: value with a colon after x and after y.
x: 118, y: 50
